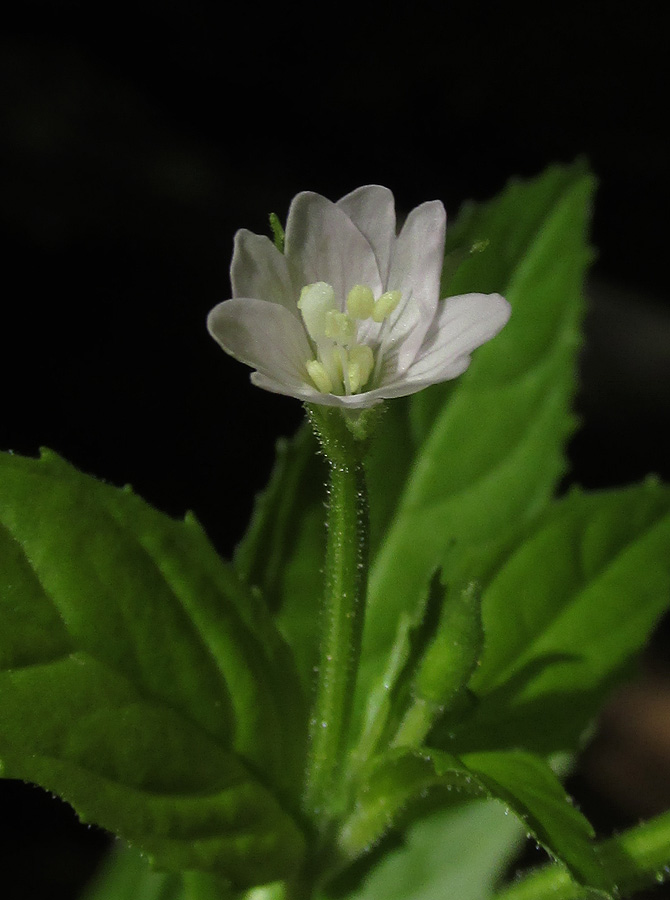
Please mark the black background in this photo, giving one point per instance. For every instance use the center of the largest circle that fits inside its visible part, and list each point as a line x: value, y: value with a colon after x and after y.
x: 136, y: 140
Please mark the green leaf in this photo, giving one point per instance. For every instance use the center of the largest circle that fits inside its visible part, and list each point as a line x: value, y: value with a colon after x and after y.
x: 162, y: 701
x: 398, y: 784
x: 395, y: 785
x: 488, y: 461
x: 459, y: 852
x: 126, y: 875
x: 586, y: 589
x: 283, y: 550
x: 633, y: 860
x: 261, y: 554
x: 527, y: 784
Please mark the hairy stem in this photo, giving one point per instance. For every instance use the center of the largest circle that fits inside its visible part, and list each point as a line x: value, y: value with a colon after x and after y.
x: 345, y: 583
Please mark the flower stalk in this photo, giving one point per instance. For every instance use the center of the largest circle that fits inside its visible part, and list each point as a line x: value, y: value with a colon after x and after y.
x: 345, y: 584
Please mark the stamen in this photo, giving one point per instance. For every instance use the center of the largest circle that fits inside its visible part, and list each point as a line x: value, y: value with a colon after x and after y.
x: 385, y: 305
x: 360, y: 302
x: 316, y: 301
x: 341, y: 365
x: 317, y: 372
x: 360, y: 365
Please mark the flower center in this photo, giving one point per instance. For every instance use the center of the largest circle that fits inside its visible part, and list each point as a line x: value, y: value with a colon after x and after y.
x: 342, y: 363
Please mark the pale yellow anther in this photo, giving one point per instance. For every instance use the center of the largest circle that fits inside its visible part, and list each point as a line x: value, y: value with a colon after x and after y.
x: 321, y: 378
x: 315, y: 302
x: 385, y: 305
x: 360, y: 301
x: 339, y: 327
x: 360, y: 363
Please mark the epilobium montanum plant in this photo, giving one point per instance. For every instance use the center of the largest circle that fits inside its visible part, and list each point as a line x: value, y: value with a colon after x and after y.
x: 381, y: 707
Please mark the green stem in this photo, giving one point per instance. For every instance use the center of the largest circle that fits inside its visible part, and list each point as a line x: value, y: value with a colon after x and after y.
x: 345, y: 582
x: 631, y: 861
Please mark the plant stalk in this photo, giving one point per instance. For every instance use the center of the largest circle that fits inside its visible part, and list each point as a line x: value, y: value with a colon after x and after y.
x: 345, y: 583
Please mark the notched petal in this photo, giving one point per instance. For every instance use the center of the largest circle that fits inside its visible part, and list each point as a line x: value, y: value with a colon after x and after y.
x: 462, y: 324
x: 262, y: 335
x: 259, y: 270
x: 323, y: 244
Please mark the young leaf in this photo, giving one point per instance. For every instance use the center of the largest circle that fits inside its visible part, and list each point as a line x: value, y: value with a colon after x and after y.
x: 490, y: 459
x: 586, y: 590
x: 452, y: 656
x: 439, y: 681
x: 157, y: 683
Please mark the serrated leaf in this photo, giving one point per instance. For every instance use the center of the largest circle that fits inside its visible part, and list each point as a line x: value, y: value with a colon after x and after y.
x: 565, y: 613
x: 527, y: 784
x: 399, y: 782
x: 156, y: 682
x: 489, y: 460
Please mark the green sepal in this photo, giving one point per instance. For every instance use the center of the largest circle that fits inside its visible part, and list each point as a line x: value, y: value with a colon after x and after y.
x: 277, y: 230
x: 344, y: 434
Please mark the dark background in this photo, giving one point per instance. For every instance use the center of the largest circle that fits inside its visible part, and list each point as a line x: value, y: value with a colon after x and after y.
x: 136, y: 140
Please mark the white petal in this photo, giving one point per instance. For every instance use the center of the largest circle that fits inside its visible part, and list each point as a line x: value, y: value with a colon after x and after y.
x: 416, y: 267
x: 372, y: 210
x: 462, y: 323
x: 289, y: 388
x: 323, y: 244
x: 263, y: 335
x: 259, y: 270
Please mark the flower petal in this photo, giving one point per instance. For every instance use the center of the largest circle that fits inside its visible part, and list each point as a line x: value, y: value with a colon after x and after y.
x: 259, y: 270
x: 416, y: 267
x: 462, y: 323
x: 372, y: 210
x: 263, y: 335
x: 323, y: 244
x: 301, y: 390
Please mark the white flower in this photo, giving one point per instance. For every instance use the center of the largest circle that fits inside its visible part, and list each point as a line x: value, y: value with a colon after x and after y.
x: 350, y: 313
